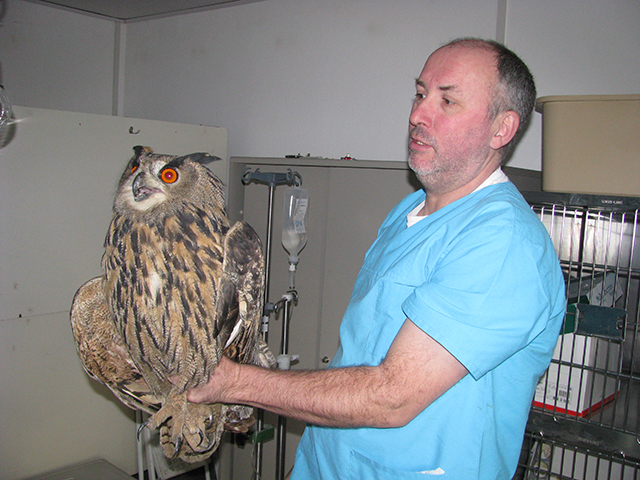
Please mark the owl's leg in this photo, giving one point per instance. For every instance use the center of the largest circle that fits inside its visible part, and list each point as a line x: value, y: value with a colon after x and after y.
x: 188, y: 431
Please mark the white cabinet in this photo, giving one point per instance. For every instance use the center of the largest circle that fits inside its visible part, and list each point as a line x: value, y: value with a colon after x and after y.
x: 58, y: 177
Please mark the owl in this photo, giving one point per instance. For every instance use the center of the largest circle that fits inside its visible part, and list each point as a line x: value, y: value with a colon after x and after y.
x: 181, y: 287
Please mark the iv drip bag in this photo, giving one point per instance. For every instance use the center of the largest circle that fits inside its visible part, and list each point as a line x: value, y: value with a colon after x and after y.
x: 294, y: 224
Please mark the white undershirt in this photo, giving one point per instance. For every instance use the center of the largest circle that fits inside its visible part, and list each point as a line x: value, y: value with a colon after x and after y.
x: 498, y: 176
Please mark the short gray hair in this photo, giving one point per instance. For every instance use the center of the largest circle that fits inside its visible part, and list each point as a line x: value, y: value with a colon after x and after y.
x: 516, y: 89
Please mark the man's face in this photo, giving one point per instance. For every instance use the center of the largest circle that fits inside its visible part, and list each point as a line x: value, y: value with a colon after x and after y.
x: 449, y: 127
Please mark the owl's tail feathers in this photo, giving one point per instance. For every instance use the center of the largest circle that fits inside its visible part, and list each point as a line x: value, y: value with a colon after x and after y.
x: 263, y: 355
x: 238, y: 418
x: 102, y: 352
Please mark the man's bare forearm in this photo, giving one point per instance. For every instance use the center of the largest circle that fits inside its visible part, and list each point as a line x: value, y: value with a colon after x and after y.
x: 345, y: 397
x: 415, y: 372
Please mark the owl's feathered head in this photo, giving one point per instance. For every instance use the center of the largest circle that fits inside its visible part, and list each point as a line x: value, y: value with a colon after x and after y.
x: 157, y: 184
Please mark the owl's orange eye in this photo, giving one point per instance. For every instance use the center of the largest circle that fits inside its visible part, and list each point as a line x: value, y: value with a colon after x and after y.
x: 134, y: 168
x: 169, y: 175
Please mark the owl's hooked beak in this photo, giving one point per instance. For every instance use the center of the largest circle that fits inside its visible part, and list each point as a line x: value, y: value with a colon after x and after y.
x: 141, y: 191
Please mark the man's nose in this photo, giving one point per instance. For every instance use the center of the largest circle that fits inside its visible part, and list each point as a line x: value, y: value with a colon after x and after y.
x: 421, y: 112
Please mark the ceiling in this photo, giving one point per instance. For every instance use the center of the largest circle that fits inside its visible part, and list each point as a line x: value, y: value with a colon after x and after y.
x: 129, y: 10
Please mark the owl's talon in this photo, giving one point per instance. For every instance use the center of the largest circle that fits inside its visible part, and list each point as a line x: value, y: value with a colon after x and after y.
x: 177, y: 449
x: 211, y: 443
x: 142, y: 426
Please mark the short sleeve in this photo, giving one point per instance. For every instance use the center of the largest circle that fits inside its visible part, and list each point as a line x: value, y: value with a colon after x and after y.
x: 486, y: 298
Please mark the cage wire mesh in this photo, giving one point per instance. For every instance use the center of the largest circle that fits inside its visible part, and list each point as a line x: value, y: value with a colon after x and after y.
x: 551, y: 459
x: 584, y: 423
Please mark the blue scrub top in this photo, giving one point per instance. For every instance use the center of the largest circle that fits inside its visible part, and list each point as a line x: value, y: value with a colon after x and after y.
x: 482, y: 278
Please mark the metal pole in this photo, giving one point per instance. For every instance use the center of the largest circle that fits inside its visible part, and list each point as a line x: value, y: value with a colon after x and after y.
x: 139, y: 445
x: 265, y: 315
x: 280, y: 447
x: 272, y: 180
x: 267, y: 256
x: 282, y: 421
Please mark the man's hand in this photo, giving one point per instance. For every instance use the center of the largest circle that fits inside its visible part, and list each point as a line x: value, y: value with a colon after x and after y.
x: 225, y: 374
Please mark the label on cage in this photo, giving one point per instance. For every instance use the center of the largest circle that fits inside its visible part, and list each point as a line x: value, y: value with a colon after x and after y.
x: 562, y: 395
x: 606, y: 293
x: 599, y: 289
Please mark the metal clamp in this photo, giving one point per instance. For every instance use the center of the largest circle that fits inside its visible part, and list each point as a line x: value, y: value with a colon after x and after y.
x: 272, y: 179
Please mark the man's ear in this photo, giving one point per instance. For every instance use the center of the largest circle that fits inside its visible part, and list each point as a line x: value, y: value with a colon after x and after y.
x: 505, y: 127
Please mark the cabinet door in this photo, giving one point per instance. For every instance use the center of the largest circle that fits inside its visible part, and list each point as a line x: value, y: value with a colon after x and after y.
x: 58, y: 176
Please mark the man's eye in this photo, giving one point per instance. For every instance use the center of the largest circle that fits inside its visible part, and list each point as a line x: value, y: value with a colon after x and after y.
x: 419, y: 96
x: 447, y: 101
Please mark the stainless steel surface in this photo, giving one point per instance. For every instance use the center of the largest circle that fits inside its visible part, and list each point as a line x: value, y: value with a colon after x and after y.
x: 585, y: 420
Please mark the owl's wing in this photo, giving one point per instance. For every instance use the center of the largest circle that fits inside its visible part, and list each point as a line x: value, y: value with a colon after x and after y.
x: 242, y: 284
x: 106, y: 359
x: 102, y: 352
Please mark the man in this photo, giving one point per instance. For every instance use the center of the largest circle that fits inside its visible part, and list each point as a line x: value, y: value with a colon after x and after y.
x: 455, y: 313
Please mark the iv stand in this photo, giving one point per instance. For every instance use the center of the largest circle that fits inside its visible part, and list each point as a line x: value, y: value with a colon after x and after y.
x: 284, y: 363
x: 271, y: 179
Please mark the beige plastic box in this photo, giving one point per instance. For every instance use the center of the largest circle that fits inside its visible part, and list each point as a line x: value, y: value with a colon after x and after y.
x: 591, y: 144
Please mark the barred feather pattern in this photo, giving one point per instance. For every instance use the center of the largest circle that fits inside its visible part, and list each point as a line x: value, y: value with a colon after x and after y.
x: 180, y: 288
x: 161, y: 281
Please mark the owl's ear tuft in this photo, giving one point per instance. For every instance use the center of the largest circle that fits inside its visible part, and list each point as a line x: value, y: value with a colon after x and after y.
x: 202, y: 158
x: 140, y: 150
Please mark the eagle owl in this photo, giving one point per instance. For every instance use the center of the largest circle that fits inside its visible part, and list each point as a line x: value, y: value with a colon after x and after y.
x: 180, y: 288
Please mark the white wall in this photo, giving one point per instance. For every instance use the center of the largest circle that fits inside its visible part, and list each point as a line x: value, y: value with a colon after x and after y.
x: 332, y: 77
x: 52, y: 58
x: 326, y: 77
x: 574, y: 47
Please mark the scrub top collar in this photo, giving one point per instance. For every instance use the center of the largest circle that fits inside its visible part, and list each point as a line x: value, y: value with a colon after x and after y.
x: 498, y: 176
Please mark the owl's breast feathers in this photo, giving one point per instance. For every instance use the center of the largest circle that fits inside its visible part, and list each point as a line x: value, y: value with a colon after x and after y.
x: 161, y: 280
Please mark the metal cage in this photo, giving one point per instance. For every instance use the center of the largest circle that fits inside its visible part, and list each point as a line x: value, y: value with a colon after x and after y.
x: 584, y: 423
